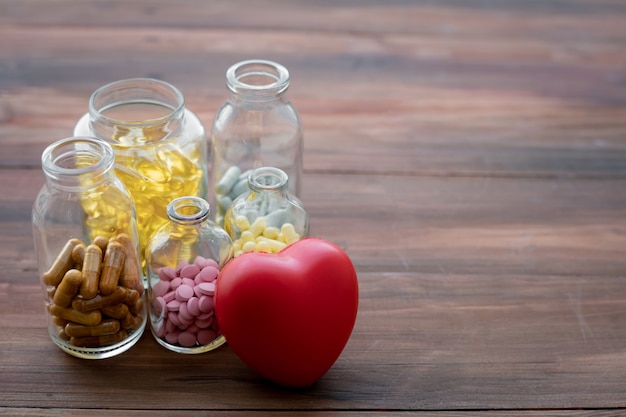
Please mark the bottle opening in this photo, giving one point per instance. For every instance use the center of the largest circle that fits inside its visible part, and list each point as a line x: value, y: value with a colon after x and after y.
x: 257, y: 77
x: 76, y: 156
x: 136, y: 110
x: 188, y: 209
x: 267, y: 178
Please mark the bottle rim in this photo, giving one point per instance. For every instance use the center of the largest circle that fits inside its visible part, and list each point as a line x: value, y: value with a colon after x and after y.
x: 58, y: 157
x: 267, y: 179
x: 136, y: 91
x: 257, y: 77
x: 188, y: 210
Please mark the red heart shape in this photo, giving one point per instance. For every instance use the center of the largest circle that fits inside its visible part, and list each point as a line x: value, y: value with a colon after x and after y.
x: 289, y: 315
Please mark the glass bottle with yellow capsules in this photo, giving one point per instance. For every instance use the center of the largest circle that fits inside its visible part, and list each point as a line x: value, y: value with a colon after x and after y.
x: 160, y: 146
x: 86, y: 243
x: 267, y: 217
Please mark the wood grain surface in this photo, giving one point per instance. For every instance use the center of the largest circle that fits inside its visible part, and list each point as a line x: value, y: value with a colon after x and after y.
x: 469, y: 156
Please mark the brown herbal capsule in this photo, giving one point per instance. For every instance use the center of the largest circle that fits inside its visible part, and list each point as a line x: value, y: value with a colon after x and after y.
x: 107, y: 326
x: 131, y: 322
x: 137, y: 307
x: 99, y: 301
x: 59, y: 321
x: 111, y: 268
x: 68, y: 288
x: 131, y: 297
x: 101, y: 242
x: 90, y: 319
x: 98, y: 341
x: 118, y: 311
x: 91, y: 271
x: 61, y: 264
x: 78, y: 253
x: 130, y: 277
x: 62, y: 335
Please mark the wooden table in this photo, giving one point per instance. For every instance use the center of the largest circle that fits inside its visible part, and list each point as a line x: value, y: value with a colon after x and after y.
x: 469, y: 156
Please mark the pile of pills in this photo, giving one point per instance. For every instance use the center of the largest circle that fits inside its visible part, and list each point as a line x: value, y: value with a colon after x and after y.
x: 230, y: 186
x: 183, y: 303
x: 261, y: 236
x: 155, y: 176
x: 94, y: 291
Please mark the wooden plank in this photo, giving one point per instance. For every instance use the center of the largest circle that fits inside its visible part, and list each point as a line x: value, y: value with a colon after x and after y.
x: 553, y: 138
x: 519, y: 100
x: 398, y: 223
x: 26, y: 412
x: 477, y: 225
x: 422, y: 341
x: 391, y: 16
x: 508, y: 47
x: 460, y: 278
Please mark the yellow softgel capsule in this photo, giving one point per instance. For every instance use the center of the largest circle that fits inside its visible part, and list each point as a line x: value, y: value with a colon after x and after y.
x: 258, y: 226
x: 246, y: 236
x: 275, y: 245
x: 271, y: 232
x: 289, y: 233
x: 249, y: 246
x: 242, y: 223
x: 263, y: 246
x: 105, y: 209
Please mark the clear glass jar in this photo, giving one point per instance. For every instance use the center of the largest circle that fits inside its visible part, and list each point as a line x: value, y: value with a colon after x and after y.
x: 161, y: 148
x: 256, y: 126
x: 183, y: 259
x: 86, y: 244
x: 266, y: 218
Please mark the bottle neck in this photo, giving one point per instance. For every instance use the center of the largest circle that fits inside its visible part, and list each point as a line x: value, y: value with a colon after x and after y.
x: 77, y: 163
x: 268, y: 180
x: 257, y: 81
x: 136, y: 112
x: 188, y: 211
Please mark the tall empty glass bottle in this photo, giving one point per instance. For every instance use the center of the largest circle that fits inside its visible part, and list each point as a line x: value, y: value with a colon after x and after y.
x: 256, y: 126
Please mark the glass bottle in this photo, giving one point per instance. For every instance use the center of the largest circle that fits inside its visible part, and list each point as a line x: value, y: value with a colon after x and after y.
x: 256, y: 126
x: 86, y: 244
x: 161, y: 148
x: 267, y: 217
x: 183, y: 259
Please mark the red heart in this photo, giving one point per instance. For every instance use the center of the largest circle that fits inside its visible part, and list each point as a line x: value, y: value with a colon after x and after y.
x: 289, y: 315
